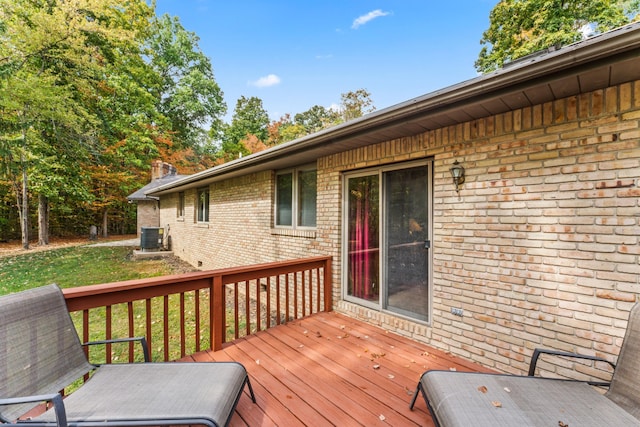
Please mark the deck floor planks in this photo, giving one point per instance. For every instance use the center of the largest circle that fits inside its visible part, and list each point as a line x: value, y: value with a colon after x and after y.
x: 319, y: 371
x: 334, y: 379
x: 357, y: 371
x: 302, y: 383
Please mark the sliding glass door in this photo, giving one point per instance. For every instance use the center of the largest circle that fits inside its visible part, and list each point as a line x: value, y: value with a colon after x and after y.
x: 388, y: 239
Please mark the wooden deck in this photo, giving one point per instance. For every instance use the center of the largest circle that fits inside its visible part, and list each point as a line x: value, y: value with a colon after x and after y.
x: 331, y: 370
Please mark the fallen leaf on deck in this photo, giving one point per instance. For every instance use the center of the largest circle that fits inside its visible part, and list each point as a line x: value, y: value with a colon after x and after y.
x: 507, y: 389
x: 482, y: 389
x: 497, y: 404
x: 382, y: 418
x: 453, y: 369
x: 561, y: 424
x: 376, y: 366
x: 257, y: 361
x: 391, y: 376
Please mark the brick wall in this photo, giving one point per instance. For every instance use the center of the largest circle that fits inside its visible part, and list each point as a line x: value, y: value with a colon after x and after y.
x: 539, y: 248
x: 147, y: 214
x: 239, y: 231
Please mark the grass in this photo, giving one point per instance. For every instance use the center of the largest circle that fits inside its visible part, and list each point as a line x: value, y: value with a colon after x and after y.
x: 85, y: 265
x: 75, y: 266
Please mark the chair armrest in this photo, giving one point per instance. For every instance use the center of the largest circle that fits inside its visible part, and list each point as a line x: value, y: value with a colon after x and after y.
x: 143, y: 343
x: 538, y: 351
x: 56, y: 399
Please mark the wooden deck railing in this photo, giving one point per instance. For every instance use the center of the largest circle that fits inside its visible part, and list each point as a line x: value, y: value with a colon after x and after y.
x: 187, y: 313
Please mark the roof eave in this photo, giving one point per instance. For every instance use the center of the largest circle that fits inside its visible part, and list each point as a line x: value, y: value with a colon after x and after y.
x: 620, y: 42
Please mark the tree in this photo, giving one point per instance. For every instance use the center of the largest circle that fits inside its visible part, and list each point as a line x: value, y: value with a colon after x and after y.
x: 316, y: 118
x: 355, y: 104
x: 52, y: 66
x: 521, y: 27
x: 189, y: 96
x: 249, y: 118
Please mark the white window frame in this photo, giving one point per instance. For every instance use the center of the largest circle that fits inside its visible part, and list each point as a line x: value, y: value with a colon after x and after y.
x: 203, y: 217
x: 295, y: 202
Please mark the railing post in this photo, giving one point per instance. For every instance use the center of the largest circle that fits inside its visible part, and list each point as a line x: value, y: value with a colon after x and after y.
x: 216, y: 313
x: 328, y: 285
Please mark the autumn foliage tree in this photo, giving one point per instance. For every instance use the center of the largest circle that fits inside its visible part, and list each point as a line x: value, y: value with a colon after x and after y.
x: 90, y: 92
x: 521, y: 27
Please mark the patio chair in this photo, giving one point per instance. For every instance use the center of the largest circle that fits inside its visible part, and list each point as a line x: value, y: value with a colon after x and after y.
x: 480, y: 399
x: 41, y: 354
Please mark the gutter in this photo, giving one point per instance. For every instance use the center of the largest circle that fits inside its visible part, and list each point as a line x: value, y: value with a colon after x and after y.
x: 545, y: 64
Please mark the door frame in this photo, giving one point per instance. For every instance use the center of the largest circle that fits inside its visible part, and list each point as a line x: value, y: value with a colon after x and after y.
x: 344, y: 250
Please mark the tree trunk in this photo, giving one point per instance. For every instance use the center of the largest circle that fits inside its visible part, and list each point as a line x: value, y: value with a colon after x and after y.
x: 43, y: 220
x: 23, y: 207
x: 105, y: 223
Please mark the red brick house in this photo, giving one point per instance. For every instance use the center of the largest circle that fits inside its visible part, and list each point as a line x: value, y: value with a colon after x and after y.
x: 539, y: 246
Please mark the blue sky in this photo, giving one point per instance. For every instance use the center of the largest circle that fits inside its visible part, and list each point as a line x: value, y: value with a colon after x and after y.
x: 295, y: 54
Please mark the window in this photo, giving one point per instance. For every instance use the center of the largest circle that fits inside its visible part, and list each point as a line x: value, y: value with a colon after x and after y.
x: 296, y: 192
x: 180, y: 213
x: 203, y: 205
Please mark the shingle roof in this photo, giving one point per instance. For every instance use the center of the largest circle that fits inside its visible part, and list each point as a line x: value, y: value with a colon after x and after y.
x: 141, y: 193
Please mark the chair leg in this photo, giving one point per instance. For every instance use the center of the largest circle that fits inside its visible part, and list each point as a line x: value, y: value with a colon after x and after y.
x: 415, y: 395
x: 253, y: 396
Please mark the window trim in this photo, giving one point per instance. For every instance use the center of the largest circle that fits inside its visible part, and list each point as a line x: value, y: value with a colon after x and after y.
x: 180, y: 206
x: 295, y: 198
x: 205, y: 215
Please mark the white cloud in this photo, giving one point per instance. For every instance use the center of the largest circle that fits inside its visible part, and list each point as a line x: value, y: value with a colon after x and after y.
x: 266, y: 81
x: 361, y: 20
x: 588, y: 30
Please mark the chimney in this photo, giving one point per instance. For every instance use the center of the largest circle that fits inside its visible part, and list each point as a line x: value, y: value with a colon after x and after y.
x: 168, y: 169
x: 160, y: 169
x: 156, y: 169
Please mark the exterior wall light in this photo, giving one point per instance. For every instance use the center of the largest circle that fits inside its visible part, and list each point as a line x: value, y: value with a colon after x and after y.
x: 457, y: 173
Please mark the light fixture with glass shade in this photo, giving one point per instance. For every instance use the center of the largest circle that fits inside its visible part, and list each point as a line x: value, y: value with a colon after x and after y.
x: 457, y: 173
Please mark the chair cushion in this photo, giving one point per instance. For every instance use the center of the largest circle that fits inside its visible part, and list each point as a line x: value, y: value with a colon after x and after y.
x: 475, y: 399
x: 156, y: 392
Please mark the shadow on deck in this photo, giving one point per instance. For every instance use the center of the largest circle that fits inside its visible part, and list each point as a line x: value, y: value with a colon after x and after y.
x: 328, y: 369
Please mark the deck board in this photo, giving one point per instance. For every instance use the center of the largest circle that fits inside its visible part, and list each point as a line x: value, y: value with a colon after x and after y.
x: 331, y: 370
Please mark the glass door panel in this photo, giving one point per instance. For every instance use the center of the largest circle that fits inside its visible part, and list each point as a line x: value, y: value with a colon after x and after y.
x: 363, y: 251
x: 405, y: 242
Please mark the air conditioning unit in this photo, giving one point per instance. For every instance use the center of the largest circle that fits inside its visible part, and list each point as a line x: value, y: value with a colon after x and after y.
x: 151, y: 238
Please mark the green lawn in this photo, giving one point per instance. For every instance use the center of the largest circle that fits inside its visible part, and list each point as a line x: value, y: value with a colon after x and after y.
x: 86, y: 265
x: 75, y: 266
